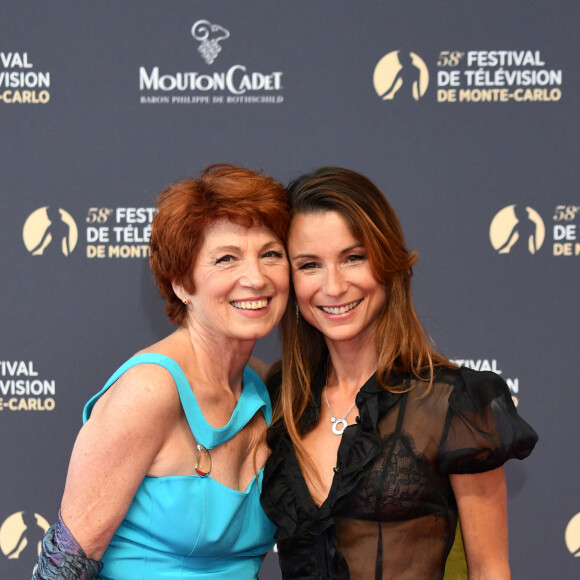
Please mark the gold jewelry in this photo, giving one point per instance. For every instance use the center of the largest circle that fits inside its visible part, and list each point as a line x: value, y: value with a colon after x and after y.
x: 297, y: 322
x: 202, y: 461
x: 185, y: 301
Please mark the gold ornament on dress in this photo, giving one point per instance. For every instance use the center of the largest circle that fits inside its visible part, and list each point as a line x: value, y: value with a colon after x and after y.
x: 202, y: 461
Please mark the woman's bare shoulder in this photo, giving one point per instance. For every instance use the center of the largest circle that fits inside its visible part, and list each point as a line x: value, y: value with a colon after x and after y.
x: 145, y: 389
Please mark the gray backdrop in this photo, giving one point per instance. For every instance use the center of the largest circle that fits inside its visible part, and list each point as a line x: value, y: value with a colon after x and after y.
x: 102, y: 104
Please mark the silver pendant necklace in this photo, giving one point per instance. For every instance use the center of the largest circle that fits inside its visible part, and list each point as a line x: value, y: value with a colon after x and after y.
x: 338, y: 425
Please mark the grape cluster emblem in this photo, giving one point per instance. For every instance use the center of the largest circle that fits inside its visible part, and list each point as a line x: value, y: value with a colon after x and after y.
x: 209, y: 36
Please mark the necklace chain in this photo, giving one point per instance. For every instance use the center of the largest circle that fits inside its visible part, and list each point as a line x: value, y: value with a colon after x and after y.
x: 338, y: 425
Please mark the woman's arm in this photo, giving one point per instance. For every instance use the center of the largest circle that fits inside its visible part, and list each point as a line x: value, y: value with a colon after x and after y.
x: 482, y: 502
x: 114, y: 451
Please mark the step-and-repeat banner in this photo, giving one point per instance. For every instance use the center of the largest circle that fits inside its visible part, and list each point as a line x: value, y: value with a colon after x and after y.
x: 465, y: 114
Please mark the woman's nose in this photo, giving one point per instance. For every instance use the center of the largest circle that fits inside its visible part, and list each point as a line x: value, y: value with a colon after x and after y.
x: 253, y: 275
x: 334, y: 282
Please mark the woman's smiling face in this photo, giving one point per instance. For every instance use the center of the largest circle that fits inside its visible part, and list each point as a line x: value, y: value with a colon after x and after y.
x: 334, y: 284
x: 241, y: 279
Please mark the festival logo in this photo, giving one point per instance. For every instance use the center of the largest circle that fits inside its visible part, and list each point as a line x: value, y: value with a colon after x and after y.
x: 119, y: 232
x: 21, y: 536
x: 565, y: 231
x: 572, y: 536
x: 209, y: 36
x: 109, y: 232
x: 470, y: 76
x: 20, y: 82
x: 520, y: 230
x: 22, y: 388
x: 401, y: 75
x: 496, y: 76
x: 49, y: 230
x: 517, y: 229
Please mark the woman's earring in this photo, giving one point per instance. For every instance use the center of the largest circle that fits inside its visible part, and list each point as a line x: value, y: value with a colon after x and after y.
x: 185, y: 301
x: 297, y: 323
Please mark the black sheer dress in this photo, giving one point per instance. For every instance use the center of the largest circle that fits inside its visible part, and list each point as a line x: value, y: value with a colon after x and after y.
x: 391, y: 513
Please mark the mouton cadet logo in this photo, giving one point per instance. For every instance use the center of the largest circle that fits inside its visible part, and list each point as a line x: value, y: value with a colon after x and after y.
x: 237, y: 84
x: 209, y: 36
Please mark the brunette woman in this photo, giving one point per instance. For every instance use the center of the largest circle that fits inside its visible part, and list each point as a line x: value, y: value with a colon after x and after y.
x: 380, y: 441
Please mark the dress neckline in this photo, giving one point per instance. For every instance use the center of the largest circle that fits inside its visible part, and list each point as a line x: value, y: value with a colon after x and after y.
x: 254, y: 398
x: 369, y: 389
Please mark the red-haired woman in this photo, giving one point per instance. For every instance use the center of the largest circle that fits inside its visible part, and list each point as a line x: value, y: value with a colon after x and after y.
x: 380, y: 441
x: 166, y: 472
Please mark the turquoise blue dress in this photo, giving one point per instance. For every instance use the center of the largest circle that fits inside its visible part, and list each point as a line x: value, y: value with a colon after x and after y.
x: 191, y: 526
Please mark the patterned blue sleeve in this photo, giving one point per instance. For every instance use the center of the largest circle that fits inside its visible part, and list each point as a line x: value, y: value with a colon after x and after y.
x: 62, y: 558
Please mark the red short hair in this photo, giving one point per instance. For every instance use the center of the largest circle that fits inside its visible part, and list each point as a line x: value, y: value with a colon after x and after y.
x: 185, y: 211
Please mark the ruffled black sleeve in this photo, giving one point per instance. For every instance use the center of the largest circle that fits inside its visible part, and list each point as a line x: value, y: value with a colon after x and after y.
x: 482, y: 428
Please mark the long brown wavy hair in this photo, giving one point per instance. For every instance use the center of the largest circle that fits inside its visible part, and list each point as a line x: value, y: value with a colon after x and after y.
x: 401, y: 343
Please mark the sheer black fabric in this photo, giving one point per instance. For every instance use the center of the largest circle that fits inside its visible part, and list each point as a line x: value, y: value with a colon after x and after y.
x: 391, y: 512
